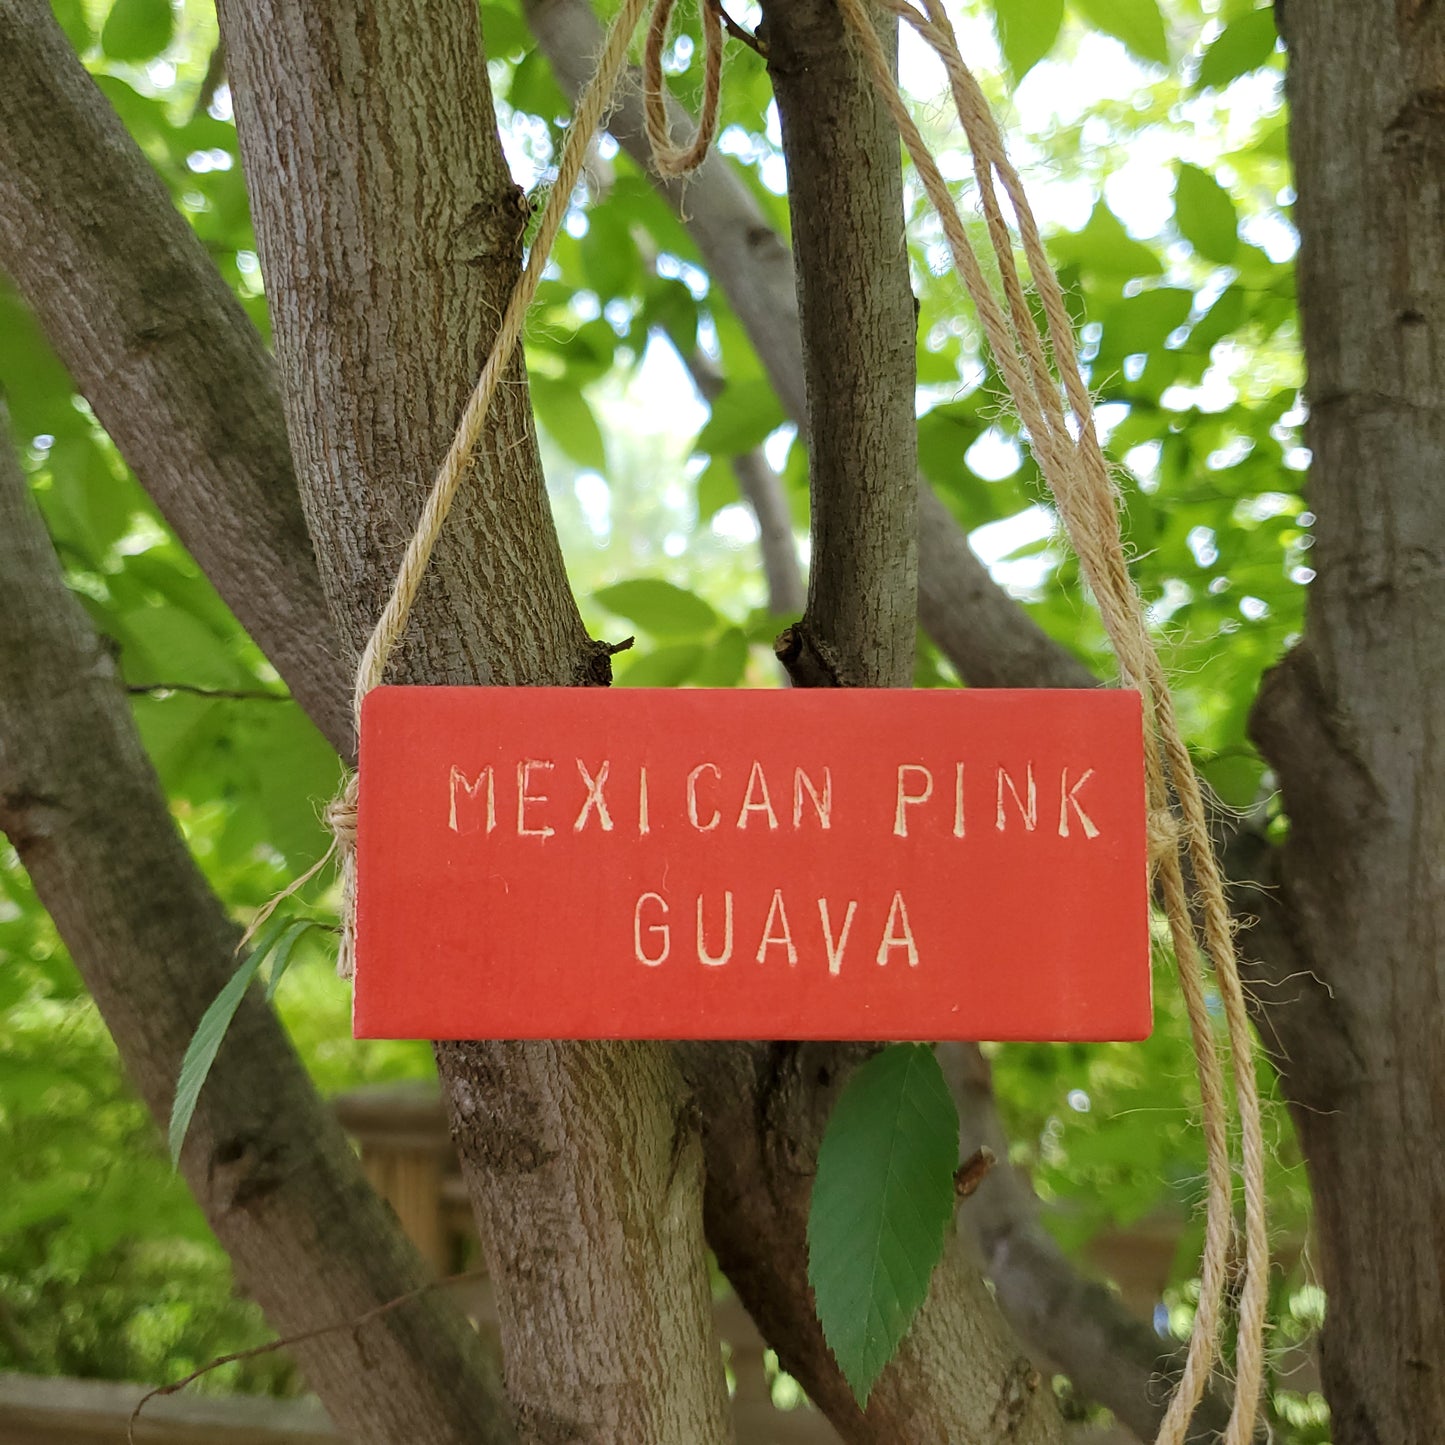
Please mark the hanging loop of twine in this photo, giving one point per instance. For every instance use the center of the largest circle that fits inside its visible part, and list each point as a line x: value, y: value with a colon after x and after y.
x: 672, y: 160
x: 1040, y: 367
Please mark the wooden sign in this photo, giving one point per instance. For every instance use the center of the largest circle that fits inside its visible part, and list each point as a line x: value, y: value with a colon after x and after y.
x: 789, y: 864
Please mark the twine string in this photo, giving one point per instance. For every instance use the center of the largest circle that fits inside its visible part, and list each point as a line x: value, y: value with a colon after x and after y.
x: 672, y: 160
x: 1071, y: 459
x: 1057, y: 417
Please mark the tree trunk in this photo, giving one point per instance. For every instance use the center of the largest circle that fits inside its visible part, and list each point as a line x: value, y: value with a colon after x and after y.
x: 390, y: 236
x: 265, y: 1159
x: 1351, y: 719
x: 161, y: 349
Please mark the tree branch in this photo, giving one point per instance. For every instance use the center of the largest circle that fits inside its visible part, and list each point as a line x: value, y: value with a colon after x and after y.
x: 1072, y: 1324
x: 266, y: 1160
x: 161, y: 349
x: 387, y: 226
x: 763, y: 489
x: 984, y: 633
x: 767, y: 1107
x: 856, y: 313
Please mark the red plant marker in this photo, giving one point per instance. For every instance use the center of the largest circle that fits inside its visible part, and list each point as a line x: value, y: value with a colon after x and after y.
x: 630, y: 863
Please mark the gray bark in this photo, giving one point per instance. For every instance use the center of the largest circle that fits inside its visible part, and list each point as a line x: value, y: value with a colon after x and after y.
x: 390, y: 236
x: 160, y: 348
x: 856, y: 310
x: 278, y: 1182
x: 1351, y: 718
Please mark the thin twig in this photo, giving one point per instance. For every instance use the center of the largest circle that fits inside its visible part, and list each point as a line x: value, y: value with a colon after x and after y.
x: 973, y: 1171
x: 273, y: 1345
x: 233, y: 694
x: 215, y: 78
x: 739, y: 32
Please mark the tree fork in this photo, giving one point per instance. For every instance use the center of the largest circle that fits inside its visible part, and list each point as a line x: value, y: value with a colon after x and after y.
x: 265, y: 1158
x: 390, y: 239
x: 845, y: 193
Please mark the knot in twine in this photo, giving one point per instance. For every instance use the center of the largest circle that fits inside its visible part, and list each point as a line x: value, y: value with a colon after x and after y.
x: 1040, y: 367
x: 1164, y: 834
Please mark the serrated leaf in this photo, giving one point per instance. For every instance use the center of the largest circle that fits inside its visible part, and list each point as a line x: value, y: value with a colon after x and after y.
x: 743, y: 416
x: 659, y: 607
x: 1026, y: 30
x: 205, y: 1043
x: 882, y: 1203
x: 281, y: 953
x: 1138, y: 23
x: 1205, y: 215
x: 1243, y: 45
x: 137, y: 29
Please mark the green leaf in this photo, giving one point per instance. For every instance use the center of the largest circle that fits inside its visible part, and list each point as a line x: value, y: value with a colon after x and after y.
x: 1243, y: 45
x: 534, y: 88
x: 1235, y: 778
x: 717, y: 487
x: 610, y: 259
x: 206, y: 1041
x: 1222, y: 317
x: 1205, y: 215
x: 1105, y: 248
x: 137, y: 29
x: 1142, y: 323
x: 724, y: 663
x: 663, y: 666
x: 659, y: 607
x: 1137, y: 23
x: 668, y: 304
x: 504, y: 31
x: 563, y: 411
x: 281, y: 953
x: 71, y: 16
x: 743, y: 417
x: 882, y: 1203
x: 1026, y: 30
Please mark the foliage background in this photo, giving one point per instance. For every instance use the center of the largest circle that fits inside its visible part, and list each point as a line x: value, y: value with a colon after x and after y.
x: 1152, y: 136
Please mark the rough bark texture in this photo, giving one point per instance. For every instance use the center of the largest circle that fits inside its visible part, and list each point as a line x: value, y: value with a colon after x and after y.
x: 278, y: 1182
x: 1351, y: 719
x: 390, y: 236
x: 994, y: 643
x: 845, y: 197
x: 991, y: 640
x: 160, y: 348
